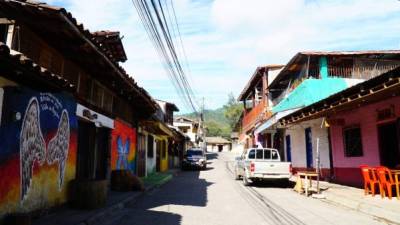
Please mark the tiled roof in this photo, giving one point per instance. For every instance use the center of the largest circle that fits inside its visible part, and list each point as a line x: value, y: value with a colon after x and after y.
x: 21, y: 9
x: 25, y: 64
x: 113, y: 42
x: 255, y: 78
x: 216, y: 140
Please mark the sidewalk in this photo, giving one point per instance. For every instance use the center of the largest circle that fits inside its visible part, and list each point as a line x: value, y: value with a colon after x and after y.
x: 354, y: 198
x: 115, y: 201
x: 158, y: 179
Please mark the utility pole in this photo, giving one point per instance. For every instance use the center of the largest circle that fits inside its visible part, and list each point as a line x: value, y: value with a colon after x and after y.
x: 202, y: 130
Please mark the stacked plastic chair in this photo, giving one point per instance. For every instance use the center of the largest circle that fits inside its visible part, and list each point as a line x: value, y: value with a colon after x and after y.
x: 370, y: 181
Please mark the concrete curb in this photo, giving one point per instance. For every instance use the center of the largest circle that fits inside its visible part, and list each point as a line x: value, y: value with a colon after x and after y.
x: 387, y: 215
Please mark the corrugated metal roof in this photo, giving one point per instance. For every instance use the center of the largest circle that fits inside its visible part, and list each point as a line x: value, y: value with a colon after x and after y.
x: 366, y: 52
x: 292, y: 64
x: 375, y: 89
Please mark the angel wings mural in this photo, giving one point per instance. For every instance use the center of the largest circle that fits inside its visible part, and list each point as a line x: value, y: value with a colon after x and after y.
x: 33, y: 146
x: 57, y: 149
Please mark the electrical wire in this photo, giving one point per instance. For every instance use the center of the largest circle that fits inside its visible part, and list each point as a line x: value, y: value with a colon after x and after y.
x: 154, y: 20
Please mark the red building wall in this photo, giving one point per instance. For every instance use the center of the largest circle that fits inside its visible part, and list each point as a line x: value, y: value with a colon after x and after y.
x: 346, y: 169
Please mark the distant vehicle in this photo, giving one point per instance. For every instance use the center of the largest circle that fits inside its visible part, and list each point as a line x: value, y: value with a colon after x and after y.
x: 194, y: 158
x: 261, y: 164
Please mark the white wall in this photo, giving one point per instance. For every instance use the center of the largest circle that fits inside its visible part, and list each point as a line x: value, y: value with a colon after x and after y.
x: 211, y: 148
x: 298, y: 145
x: 151, y: 162
x: 189, y: 133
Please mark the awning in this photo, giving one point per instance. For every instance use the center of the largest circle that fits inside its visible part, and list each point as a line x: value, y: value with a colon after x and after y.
x: 157, y: 128
x: 274, y: 119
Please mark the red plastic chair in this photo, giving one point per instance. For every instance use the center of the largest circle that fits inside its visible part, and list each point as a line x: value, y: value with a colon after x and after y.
x: 370, y: 180
x: 386, y: 180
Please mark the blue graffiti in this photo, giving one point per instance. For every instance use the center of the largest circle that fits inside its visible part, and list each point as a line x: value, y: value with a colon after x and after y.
x: 123, y: 152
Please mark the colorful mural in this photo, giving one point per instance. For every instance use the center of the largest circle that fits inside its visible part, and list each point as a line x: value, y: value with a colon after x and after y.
x: 123, y: 147
x: 38, y: 149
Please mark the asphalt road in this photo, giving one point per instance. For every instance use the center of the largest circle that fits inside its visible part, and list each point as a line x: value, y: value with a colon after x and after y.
x: 214, y: 197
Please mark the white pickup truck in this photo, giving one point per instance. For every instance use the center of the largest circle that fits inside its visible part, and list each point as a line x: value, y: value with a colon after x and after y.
x: 261, y: 164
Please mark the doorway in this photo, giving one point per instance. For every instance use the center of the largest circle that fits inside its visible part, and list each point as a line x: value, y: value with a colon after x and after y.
x: 93, y: 151
x: 158, y: 155
x: 220, y: 148
x: 309, y: 153
x: 288, y: 149
x: 141, y: 156
x: 269, y: 140
x: 389, y: 144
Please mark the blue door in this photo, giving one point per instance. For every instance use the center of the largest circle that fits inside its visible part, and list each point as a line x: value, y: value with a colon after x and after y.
x: 288, y: 149
x: 309, y: 154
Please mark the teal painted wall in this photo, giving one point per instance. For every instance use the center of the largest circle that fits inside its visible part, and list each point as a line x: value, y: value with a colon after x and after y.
x: 310, y: 91
x: 323, y: 67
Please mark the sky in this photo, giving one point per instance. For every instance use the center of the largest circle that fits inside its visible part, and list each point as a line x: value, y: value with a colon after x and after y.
x: 225, y: 40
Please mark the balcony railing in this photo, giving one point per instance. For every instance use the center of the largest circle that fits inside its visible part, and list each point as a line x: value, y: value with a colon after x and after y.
x: 255, y: 115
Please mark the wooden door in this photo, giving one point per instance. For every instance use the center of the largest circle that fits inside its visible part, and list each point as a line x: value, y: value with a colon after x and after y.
x: 158, y: 155
x: 309, y: 152
x: 389, y: 145
x: 141, y: 156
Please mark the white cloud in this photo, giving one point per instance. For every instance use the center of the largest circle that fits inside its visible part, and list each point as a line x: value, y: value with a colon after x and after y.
x: 225, y: 40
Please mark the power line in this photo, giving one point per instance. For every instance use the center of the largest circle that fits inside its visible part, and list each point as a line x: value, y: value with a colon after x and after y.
x: 155, y: 23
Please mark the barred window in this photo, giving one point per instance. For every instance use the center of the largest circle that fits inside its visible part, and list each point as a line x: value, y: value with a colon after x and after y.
x: 352, y: 142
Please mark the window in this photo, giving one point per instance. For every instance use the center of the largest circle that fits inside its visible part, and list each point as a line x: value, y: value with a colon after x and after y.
x: 352, y: 142
x: 259, y: 154
x: 97, y: 94
x: 267, y: 154
x: 107, y: 101
x: 150, y: 146
x: 252, y: 154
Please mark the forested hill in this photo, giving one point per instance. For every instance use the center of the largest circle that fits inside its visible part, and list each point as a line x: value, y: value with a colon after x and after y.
x: 215, y: 122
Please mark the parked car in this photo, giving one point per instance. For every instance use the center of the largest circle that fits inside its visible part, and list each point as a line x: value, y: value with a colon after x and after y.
x: 194, y: 158
x: 261, y: 164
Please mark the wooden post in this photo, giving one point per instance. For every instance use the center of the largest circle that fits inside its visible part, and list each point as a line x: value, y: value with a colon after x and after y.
x: 264, y: 86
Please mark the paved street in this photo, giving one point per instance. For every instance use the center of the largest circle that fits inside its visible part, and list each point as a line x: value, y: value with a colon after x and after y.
x: 213, y: 197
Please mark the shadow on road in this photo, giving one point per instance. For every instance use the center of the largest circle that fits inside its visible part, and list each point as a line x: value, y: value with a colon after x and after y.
x: 197, y: 169
x: 186, y: 189
x: 211, y: 155
x: 274, y: 184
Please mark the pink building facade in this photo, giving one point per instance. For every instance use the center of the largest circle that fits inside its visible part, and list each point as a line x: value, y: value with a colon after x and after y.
x: 365, y: 135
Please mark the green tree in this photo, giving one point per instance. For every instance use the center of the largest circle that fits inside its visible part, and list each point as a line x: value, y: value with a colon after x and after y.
x: 232, y: 110
x: 214, y: 129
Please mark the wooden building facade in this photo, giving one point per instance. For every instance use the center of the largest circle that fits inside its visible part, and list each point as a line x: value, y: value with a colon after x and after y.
x: 69, y: 112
